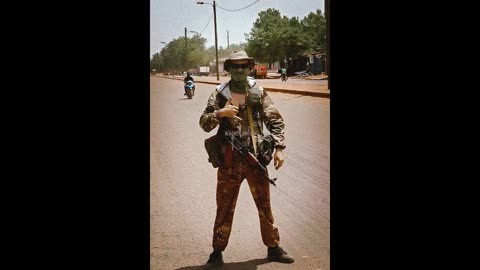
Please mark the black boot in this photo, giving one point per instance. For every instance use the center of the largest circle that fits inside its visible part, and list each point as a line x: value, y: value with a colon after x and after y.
x: 216, y: 259
x: 277, y: 254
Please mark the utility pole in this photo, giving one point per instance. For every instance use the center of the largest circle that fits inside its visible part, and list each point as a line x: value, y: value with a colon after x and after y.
x: 216, y: 39
x: 185, y: 54
x: 327, y: 15
x: 228, y: 43
x: 216, y: 42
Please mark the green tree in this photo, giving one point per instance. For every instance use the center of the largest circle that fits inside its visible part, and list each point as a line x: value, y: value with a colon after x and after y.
x: 294, y: 40
x: 264, y: 42
x: 315, y: 30
x: 196, y: 54
x: 274, y: 37
x: 172, y: 55
x: 175, y: 57
x: 156, y: 63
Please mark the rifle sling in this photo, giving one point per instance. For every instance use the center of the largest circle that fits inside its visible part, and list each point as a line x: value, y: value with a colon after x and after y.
x: 252, y: 130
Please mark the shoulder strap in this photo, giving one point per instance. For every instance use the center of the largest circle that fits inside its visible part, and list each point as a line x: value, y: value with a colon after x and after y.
x: 250, y: 118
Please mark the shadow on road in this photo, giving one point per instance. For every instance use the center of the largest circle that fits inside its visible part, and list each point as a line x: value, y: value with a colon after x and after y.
x: 247, y: 265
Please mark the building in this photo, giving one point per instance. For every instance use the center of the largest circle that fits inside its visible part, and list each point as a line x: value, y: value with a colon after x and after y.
x: 315, y: 62
x: 221, y: 62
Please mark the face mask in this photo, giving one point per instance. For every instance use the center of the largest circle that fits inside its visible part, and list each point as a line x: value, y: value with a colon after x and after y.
x: 239, y: 74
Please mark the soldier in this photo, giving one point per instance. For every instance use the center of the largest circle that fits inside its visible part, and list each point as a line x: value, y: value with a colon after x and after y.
x: 241, y: 108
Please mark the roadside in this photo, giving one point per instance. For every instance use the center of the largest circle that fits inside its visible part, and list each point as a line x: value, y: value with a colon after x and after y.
x: 274, y: 75
x: 274, y: 86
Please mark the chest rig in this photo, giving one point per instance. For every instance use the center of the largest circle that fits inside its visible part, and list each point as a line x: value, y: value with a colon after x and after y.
x: 253, y: 95
x: 243, y: 128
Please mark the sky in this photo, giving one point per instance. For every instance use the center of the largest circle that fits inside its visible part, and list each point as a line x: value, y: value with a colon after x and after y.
x: 168, y: 18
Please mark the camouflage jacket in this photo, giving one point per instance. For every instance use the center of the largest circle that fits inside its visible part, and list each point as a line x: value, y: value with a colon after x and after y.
x: 266, y: 113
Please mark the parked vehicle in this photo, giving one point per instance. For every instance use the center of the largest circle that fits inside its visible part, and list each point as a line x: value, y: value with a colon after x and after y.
x: 259, y: 71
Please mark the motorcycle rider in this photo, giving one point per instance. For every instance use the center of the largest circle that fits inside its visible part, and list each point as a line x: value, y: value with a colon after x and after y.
x: 187, y: 78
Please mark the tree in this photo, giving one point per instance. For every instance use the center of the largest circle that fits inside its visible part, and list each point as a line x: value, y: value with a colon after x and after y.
x: 175, y: 57
x: 274, y: 38
x: 315, y: 30
x: 196, y: 55
x: 264, y: 42
x: 295, y: 42
x: 156, y: 63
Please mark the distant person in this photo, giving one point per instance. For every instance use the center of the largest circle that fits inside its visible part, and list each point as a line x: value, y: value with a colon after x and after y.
x: 188, y: 78
x: 284, y: 74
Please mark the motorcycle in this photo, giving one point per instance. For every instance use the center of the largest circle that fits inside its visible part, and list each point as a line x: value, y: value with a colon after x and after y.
x: 190, y: 88
x: 284, y: 77
x: 304, y: 73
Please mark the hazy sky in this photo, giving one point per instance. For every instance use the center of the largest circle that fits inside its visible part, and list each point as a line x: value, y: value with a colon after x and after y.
x: 168, y: 18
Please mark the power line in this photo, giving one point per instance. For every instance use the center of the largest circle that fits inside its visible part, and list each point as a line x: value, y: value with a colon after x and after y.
x: 239, y: 8
x: 207, y: 24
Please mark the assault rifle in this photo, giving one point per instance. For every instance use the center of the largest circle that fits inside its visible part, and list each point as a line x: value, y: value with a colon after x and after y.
x: 249, y: 157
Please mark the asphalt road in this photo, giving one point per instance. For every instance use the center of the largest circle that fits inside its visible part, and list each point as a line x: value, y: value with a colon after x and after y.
x: 183, y: 184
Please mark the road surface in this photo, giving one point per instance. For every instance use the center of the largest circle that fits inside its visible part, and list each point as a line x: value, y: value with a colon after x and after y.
x: 183, y: 184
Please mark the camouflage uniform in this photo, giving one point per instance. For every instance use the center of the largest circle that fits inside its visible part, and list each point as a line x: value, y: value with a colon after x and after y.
x: 230, y: 177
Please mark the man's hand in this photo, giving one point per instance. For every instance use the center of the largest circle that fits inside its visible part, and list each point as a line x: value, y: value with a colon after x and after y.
x: 228, y: 111
x: 278, y: 158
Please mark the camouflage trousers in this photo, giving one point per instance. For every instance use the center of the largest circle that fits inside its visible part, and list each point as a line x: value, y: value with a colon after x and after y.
x: 228, y: 186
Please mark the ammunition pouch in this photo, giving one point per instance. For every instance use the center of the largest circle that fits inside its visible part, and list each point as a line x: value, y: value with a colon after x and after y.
x: 213, y: 146
x: 254, y: 97
x: 265, y: 150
